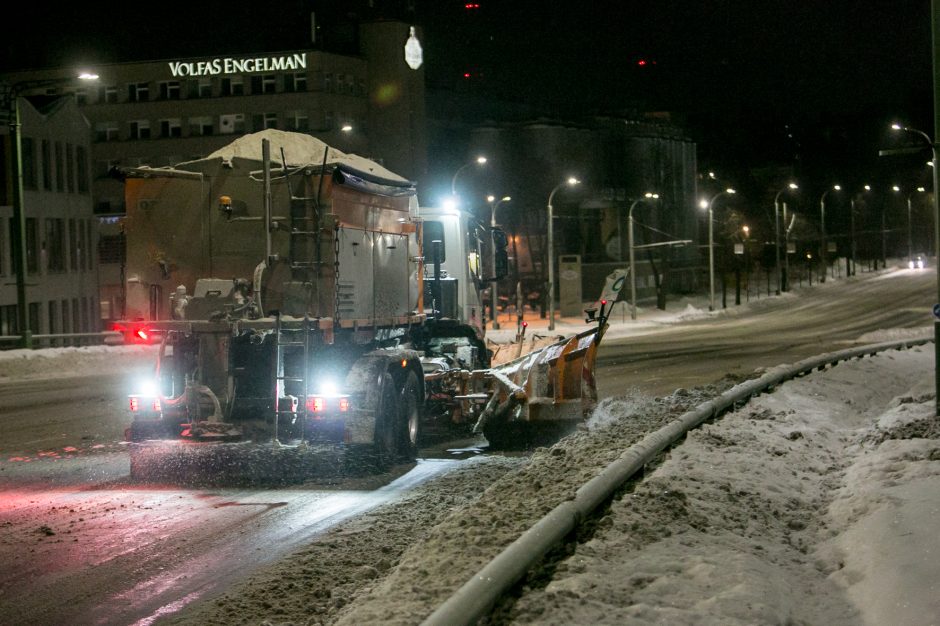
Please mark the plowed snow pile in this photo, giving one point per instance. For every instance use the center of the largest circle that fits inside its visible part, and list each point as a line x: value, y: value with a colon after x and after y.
x: 815, y: 504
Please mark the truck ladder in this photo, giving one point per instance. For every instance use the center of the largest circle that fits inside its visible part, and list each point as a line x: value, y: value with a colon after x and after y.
x: 280, y: 344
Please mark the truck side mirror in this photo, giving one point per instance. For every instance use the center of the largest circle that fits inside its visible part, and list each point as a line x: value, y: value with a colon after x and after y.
x: 500, y: 255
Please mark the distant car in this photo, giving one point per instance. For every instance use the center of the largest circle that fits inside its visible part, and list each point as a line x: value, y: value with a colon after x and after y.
x: 917, y: 262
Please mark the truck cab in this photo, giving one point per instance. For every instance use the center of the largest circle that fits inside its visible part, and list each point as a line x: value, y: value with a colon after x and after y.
x: 459, y: 255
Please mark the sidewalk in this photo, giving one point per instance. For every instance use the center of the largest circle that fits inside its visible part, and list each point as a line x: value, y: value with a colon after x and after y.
x: 679, y: 308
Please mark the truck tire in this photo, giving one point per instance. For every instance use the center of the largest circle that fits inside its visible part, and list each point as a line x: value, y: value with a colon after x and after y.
x: 387, y: 439
x: 412, y: 416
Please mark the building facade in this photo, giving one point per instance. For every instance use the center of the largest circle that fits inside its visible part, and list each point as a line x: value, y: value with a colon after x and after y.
x: 61, y: 229
x: 160, y: 113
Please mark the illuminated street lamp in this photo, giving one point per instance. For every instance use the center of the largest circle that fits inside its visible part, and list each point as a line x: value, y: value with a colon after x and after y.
x: 19, y: 212
x: 571, y: 182
x: 822, y: 224
x: 790, y: 187
x: 480, y: 160
x: 936, y: 224
x: 494, y: 287
x: 646, y: 196
x: 709, y: 205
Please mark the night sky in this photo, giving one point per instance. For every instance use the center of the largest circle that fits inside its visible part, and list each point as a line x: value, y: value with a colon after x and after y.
x: 743, y: 75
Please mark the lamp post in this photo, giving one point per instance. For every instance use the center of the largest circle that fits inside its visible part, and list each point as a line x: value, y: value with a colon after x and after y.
x: 646, y: 196
x: 18, y: 243
x: 936, y: 225
x: 709, y: 204
x: 571, y: 182
x: 852, y: 262
x: 790, y: 186
x: 910, y: 247
x: 822, y: 225
x: 480, y: 160
x: 494, y: 285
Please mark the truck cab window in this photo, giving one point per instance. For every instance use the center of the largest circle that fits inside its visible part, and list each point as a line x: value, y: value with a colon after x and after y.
x: 433, y: 231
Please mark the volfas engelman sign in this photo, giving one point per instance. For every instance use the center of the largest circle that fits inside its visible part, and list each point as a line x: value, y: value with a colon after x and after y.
x: 229, y: 65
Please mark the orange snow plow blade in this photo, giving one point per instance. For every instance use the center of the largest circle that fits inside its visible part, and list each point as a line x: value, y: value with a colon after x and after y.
x: 555, y: 383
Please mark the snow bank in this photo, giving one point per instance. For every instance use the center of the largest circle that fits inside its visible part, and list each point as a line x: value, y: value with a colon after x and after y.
x: 75, y: 361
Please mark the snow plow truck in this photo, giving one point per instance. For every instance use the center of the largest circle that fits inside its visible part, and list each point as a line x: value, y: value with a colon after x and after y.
x: 302, y: 301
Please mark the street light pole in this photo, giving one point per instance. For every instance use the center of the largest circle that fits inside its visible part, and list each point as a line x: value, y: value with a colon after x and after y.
x: 653, y: 196
x: 709, y: 204
x: 18, y: 246
x: 480, y: 160
x: 777, y: 230
x: 910, y: 246
x: 852, y: 247
x: 822, y: 224
x: 494, y: 285
x: 936, y: 225
x: 571, y: 182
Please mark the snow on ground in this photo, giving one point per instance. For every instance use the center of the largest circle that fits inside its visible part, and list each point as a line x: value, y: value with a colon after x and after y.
x: 74, y: 361
x: 814, y: 504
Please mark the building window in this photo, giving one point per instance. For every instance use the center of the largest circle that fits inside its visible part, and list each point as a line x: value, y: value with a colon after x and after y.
x: 264, y: 84
x: 261, y: 121
x: 234, y: 86
x: 170, y: 90
x: 76, y: 317
x: 328, y: 82
x: 66, y: 328
x: 200, y: 88
x: 55, y: 246
x: 107, y: 131
x: 29, y: 162
x: 32, y: 245
x: 69, y: 168
x: 172, y: 127
x: 108, y: 94
x: 295, y: 82
x: 85, y: 228
x: 362, y: 87
x: 46, y: 157
x: 140, y: 129
x: 53, y: 316
x: 81, y: 96
x: 59, y: 167
x: 8, y: 320
x: 299, y: 121
x: 81, y: 167
x: 328, y: 120
x: 138, y: 92
x: 232, y: 123
x: 73, y: 246
x: 200, y: 126
x: 340, y: 83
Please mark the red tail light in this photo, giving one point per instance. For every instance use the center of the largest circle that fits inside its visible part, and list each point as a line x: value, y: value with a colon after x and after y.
x: 136, y: 403
x: 142, y: 334
x: 344, y: 404
x: 315, y: 404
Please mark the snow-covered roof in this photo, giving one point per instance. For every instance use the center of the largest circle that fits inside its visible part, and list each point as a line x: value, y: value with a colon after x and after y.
x: 299, y: 150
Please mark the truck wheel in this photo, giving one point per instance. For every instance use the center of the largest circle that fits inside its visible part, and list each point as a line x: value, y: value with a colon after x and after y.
x: 387, y: 425
x: 411, y: 417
